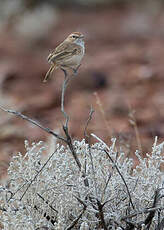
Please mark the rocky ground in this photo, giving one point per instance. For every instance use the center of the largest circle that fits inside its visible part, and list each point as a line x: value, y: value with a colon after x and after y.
x: 122, y: 77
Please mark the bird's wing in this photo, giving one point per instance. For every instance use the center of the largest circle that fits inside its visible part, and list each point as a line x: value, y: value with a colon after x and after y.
x: 64, y: 50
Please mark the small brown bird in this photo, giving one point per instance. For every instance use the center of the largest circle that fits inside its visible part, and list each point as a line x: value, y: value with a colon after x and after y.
x: 67, y: 55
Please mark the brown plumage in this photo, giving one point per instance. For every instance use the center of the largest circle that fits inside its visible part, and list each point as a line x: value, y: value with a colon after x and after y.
x: 67, y: 55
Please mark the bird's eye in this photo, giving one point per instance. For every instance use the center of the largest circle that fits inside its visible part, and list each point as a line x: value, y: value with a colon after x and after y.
x: 74, y: 36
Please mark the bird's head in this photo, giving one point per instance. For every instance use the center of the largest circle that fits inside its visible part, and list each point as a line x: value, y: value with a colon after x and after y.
x: 75, y: 37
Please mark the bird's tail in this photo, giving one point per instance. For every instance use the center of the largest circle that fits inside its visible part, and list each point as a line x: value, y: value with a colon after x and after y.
x: 48, y: 74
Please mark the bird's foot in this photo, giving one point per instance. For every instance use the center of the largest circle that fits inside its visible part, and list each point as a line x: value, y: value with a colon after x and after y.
x: 76, y: 70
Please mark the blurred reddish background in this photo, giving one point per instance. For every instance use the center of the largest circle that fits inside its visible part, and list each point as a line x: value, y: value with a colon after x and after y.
x: 123, y: 65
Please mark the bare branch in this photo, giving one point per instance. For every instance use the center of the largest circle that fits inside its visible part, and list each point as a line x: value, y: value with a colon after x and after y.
x: 13, y: 194
x: 87, y: 123
x: 151, y: 215
x: 93, y: 171
x: 48, y: 217
x: 18, y: 114
x: 141, y: 212
x: 79, y: 216
x: 67, y: 78
x: 65, y: 83
x: 80, y: 201
x: 101, y: 215
x: 68, y: 139
x: 47, y: 203
x: 38, y: 174
x: 76, y: 220
x: 87, y: 137
x: 105, y: 187
x: 130, y: 199
x: 114, y: 164
x: 70, y: 144
x: 133, y: 122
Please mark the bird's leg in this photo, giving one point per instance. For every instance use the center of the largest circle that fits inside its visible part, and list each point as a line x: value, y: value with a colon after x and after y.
x: 71, y: 68
x: 75, y: 70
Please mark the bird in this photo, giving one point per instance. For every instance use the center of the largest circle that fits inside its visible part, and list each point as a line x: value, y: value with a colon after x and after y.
x: 67, y: 55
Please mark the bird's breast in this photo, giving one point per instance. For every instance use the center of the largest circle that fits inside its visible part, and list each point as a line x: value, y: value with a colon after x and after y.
x: 74, y: 60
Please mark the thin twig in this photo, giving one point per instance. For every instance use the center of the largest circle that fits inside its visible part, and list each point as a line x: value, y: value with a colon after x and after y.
x: 80, y: 215
x: 99, y: 205
x: 114, y: 164
x: 93, y: 172
x: 133, y: 122
x: 141, y: 212
x: 80, y: 201
x: 33, y: 122
x: 48, y: 217
x: 38, y: 174
x: 87, y: 123
x: 70, y: 144
x: 64, y: 87
x: 65, y: 83
x: 87, y: 137
x: 105, y: 187
x: 76, y: 220
x: 130, y: 199
x: 68, y: 139
x: 101, y: 215
x: 13, y: 194
x: 47, y: 203
x: 151, y: 215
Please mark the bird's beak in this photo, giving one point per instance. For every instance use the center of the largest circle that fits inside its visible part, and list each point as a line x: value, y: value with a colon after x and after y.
x: 82, y: 36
